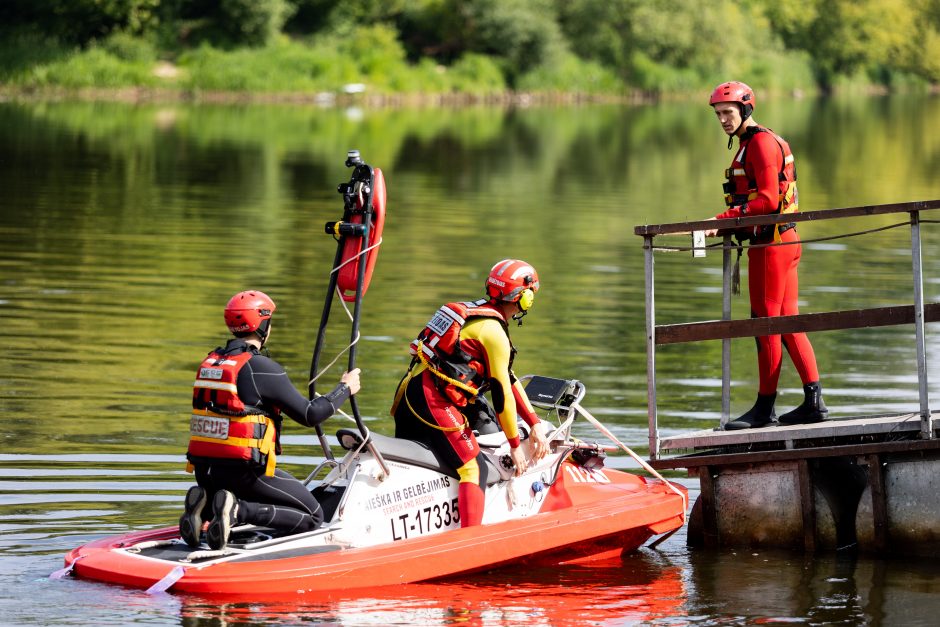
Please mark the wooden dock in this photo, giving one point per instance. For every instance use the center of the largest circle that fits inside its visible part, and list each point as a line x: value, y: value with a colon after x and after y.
x: 853, y: 432
x: 861, y: 482
x: 858, y: 482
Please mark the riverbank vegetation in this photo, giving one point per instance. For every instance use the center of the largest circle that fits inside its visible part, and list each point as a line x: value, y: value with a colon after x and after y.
x: 472, y: 48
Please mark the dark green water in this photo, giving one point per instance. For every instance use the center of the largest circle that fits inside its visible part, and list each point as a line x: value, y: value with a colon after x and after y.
x: 125, y: 229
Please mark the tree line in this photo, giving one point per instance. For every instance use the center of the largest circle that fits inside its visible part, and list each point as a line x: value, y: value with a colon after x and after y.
x: 653, y: 45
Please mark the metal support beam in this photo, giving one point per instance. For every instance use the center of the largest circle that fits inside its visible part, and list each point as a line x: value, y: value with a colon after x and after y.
x: 650, y: 348
x: 727, y: 272
x: 807, y: 505
x: 926, y: 427
x: 711, y: 536
x: 879, y: 502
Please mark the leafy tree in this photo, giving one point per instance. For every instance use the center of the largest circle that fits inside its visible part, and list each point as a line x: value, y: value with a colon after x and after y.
x: 669, y: 44
x: 231, y: 23
x: 313, y: 16
x: 523, y: 32
x: 599, y: 30
x: 79, y: 21
x: 928, y: 38
x: 520, y: 34
x: 846, y: 36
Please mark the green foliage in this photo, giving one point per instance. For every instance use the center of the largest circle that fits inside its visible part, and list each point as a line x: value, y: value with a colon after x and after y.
x: 93, y: 67
x: 229, y: 23
x: 599, y: 30
x: 22, y: 52
x: 438, y: 46
x: 651, y: 75
x: 126, y: 47
x: 478, y: 74
x: 79, y: 21
x: 281, y: 66
x: 253, y: 22
x: 571, y: 74
x: 844, y: 37
x: 524, y: 33
x: 368, y: 55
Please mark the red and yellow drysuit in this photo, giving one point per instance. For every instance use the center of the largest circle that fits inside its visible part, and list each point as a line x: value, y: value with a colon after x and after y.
x: 762, y: 180
x: 465, y: 350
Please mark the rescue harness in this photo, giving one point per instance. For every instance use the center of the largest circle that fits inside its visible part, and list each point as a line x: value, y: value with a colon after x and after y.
x: 740, y: 189
x: 458, y: 376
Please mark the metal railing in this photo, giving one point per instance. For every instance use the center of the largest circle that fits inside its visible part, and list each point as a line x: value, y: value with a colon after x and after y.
x: 725, y: 329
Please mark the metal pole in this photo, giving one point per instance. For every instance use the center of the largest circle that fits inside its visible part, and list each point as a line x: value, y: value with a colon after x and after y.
x: 727, y: 270
x: 650, y: 347
x: 926, y: 428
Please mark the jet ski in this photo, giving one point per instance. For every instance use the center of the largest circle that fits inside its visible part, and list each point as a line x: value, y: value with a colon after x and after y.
x: 390, y: 505
x: 391, y: 518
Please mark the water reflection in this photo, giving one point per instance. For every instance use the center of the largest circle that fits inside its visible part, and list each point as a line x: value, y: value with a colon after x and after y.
x: 126, y: 226
x: 641, y: 589
x: 826, y: 589
x: 125, y: 229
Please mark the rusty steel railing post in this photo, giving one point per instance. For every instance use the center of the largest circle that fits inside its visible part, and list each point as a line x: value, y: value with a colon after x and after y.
x: 926, y: 427
x: 650, y: 347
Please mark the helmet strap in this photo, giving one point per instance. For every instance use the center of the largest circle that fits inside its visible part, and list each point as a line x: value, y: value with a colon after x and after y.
x: 746, y: 111
x: 518, y: 316
x: 263, y: 329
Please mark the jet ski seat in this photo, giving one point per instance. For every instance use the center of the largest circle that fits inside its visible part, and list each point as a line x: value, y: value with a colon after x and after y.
x: 409, y: 452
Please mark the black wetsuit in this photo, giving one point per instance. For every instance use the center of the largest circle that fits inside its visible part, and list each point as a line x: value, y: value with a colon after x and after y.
x: 281, y: 501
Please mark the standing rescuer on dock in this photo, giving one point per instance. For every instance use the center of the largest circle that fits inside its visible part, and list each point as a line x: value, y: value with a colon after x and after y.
x: 760, y: 181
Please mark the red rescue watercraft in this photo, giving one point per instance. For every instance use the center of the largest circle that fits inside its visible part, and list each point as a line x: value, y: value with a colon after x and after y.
x: 392, y: 518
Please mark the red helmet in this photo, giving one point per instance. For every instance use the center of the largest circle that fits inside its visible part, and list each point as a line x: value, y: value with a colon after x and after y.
x: 249, y: 312
x: 512, y: 281
x: 734, y: 91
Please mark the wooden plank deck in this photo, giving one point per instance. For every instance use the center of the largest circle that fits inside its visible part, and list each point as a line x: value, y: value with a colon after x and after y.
x: 907, y: 424
x: 847, y: 436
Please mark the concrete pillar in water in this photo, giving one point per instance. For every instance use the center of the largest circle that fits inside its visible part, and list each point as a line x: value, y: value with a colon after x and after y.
x: 796, y: 504
x: 909, y: 507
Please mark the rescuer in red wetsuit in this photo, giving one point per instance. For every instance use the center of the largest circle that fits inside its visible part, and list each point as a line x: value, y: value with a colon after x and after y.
x: 462, y: 352
x: 762, y: 180
x: 239, y: 397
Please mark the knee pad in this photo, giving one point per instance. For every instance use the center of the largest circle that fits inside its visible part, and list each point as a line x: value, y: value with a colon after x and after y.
x: 474, y: 471
x: 469, y: 472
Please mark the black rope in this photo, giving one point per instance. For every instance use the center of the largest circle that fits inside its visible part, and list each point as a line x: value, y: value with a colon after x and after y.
x: 740, y: 246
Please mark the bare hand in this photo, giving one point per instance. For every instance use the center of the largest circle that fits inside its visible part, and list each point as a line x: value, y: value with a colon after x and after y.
x: 518, y: 460
x: 711, y: 232
x: 351, y: 379
x: 539, y: 443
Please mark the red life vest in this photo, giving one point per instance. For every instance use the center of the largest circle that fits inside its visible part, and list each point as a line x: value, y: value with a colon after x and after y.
x: 741, y: 188
x: 461, y: 376
x: 221, y: 426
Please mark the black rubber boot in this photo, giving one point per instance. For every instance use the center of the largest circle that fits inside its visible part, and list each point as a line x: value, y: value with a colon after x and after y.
x: 760, y: 415
x: 812, y: 409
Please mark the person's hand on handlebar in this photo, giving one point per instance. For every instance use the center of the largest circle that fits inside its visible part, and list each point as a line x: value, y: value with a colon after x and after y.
x: 518, y: 460
x: 351, y: 379
x: 539, y: 443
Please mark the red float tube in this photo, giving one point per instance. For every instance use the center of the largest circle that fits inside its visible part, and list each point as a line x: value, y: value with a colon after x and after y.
x: 348, y: 273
